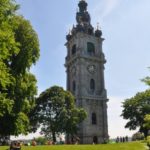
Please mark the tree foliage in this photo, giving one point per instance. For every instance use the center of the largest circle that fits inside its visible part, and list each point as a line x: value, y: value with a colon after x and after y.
x: 19, y: 50
x: 146, y: 80
x: 57, y: 113
x: 135, y: 109
x: 137, y: 136
x: 147, y: 121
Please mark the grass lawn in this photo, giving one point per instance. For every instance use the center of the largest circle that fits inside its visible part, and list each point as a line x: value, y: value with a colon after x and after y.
x: 122, y: 146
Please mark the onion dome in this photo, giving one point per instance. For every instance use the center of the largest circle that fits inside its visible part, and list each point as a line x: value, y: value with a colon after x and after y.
x: 98, y: 32
x: 82, y: 6
x: 83, y: 16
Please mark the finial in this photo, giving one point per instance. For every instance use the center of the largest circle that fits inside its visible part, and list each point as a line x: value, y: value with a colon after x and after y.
x: 98, y: 32
x: 98, y: 26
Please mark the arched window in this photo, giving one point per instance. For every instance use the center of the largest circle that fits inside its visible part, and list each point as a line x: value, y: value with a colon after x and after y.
x: 90, y: 48
x: 92, y: 84
x: 90, y: 31
x: 94, y: 119
x: 74, y: 86
x: 73, y: 49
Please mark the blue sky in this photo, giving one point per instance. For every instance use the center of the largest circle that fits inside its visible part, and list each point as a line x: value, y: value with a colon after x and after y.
x: 126, y: 29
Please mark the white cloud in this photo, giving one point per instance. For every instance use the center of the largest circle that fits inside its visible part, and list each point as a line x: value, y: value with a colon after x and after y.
x: 115, y: 122
x: 103, y: 8
x: 110, y: 5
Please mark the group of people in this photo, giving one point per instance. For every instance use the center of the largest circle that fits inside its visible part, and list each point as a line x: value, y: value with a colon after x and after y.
x: 122, y: 139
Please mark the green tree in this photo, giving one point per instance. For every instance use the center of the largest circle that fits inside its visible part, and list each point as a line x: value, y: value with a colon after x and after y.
x: 57, y: 113
x: 146, y: 80
x: 19, y: 50
x: 135, y: 109
x: 8, y: 45
x: 147, y: 121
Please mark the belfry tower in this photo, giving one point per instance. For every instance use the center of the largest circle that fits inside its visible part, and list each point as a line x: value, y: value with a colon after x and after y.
x: 85, y: 76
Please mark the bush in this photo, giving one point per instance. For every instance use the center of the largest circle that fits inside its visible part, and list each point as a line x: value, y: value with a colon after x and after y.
x: 137, y: 136
x: 41, y: 140
x: 148, y: 141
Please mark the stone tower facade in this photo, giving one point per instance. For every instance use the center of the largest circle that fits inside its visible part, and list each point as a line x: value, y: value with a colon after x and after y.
x: 85, y: 76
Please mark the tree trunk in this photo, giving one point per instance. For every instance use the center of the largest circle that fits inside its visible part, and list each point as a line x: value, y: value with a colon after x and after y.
x: 67, y: 138
x: 145, y: 133
x: 54, y: 137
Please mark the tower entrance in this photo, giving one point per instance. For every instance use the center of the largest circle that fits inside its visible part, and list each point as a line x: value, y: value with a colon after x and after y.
x: 95, y: 140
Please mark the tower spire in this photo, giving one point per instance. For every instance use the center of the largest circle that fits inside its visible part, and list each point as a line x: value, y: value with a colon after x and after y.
x: 83, y: 20
x: 83, y: 16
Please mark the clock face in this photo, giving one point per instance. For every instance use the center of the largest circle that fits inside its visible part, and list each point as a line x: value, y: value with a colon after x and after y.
x: 91, y: 68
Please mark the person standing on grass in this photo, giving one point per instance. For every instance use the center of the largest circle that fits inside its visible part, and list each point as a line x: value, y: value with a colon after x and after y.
x: 127, y: 139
